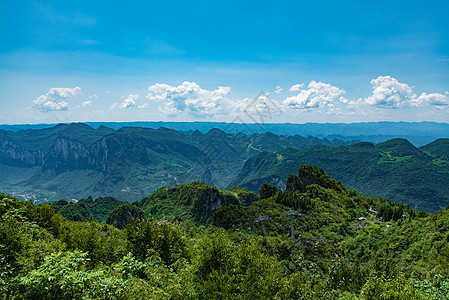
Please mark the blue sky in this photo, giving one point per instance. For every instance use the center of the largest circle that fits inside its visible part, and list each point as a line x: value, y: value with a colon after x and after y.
x: 321, y: 61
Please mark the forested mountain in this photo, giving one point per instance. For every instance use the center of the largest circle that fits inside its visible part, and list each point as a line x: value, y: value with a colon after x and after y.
x: 438, y: 150
x: 346, y: 246
x: 74, y: 161
x: 419, y: 133
x: 87, y: 209
x: 395, y: 169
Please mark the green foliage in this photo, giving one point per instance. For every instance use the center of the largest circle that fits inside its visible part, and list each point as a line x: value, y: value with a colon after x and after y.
x: 309, y: 175
x: 230, y: 216
x: 438, y: 149
x: 245, y: 197
x: 76, y: 212
x: 336, y: 254
x: 225, y: 271
x: 392, y: 289
x: 103, y: 243
x: 267, y: 191
x: 160, y: 238
x: 196, y: 201
x: 87, y: 209
x: 124, y: 213
x: 61, y: 276
x: 294, y: 183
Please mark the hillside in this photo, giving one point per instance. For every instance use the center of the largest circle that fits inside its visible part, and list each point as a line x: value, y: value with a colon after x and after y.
x: 73, y: 161
x: 439, y: 150
x: 395, y: 169
x: 87, y: 209
x: 345, y: 246
x: 195, y: 201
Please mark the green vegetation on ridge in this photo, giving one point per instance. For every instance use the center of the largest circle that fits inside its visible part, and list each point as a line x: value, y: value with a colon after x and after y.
x: 342, y: 250
x: 395, y: 170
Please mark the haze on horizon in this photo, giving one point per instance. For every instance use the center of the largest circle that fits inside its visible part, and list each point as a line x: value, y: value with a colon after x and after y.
x: 325, y: 61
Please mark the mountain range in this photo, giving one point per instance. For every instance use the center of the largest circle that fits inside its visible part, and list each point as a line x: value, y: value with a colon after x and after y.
x: 418, y: 133
x: 72, y: 161
x: 395, y: 170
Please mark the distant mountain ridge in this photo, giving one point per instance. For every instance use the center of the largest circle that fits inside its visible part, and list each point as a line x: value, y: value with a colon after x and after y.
x: 418, y: 133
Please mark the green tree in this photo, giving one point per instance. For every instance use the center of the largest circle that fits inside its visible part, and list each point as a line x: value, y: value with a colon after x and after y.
x: 147, y: 238
x: 126, y: 212
x: 267, y: 190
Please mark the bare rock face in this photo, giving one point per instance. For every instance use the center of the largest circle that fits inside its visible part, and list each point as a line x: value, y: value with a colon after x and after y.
x: 67, y: 154
x: 13, y: 154
x: 100, y: 156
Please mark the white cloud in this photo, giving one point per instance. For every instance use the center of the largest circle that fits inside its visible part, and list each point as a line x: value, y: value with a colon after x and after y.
x: 278, y: 90
x: 190, y: 98
x: 93, y: 96
x: 130, y: 101
x: 53, y: 100
x: 86, y: 103
x: 434, y: 99
x: 389, y: 92
x: 145, y: 105
x: 296, y: 87
x: 317, y: 94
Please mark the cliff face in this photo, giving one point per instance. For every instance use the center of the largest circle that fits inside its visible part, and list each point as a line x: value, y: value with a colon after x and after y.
x: 13, y: 154
x: 67, y: 154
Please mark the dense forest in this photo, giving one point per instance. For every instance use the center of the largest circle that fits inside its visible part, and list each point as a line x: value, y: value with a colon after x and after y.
x: 195, y: 241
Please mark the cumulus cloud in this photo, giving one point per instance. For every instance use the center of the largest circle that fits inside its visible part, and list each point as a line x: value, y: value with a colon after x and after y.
x: 145, y: 105
x: 434, y: 99
x: 53, y: 100
x: 190, y: 98
x: 317, y: 94
x: 86, y: 103
x: 130, y: 101
x: 389, y: 92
